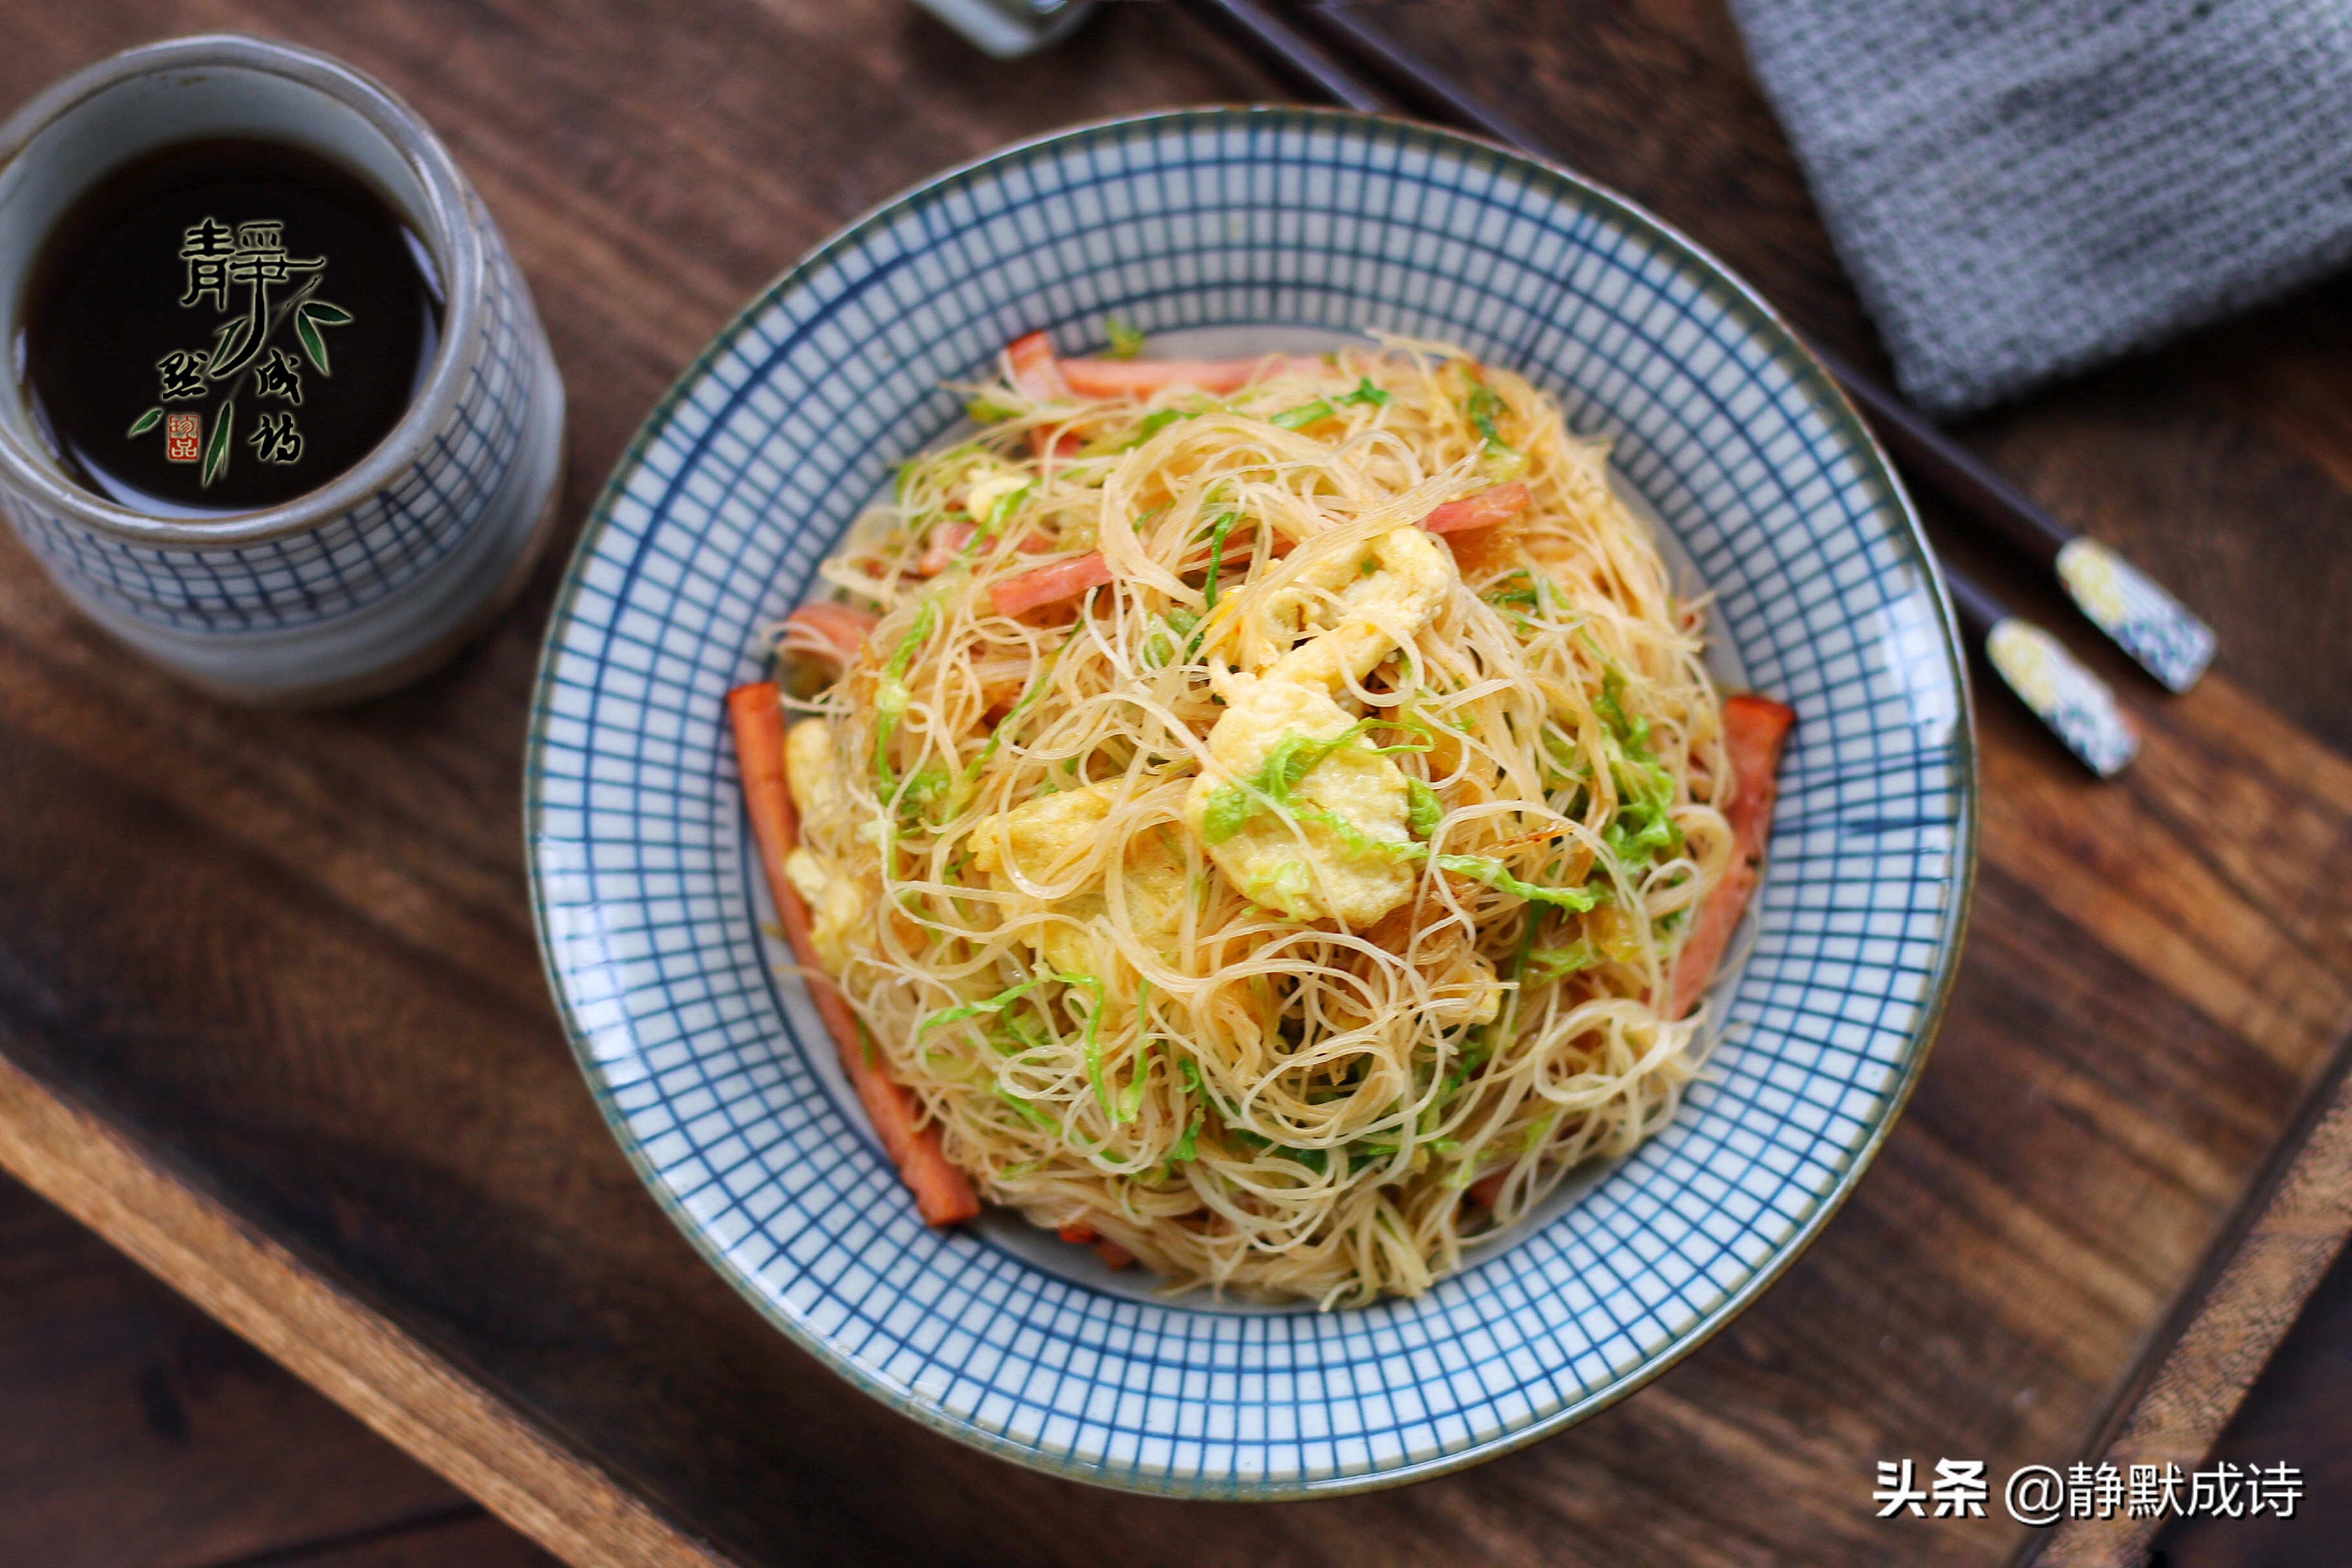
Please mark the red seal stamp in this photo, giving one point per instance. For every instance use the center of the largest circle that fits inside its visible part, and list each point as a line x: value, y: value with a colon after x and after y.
x: 183, y: 437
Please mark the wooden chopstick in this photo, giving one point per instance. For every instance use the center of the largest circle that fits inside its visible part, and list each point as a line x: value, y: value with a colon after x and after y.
x: 1314, y: 67
x: 2170, y: 641
x: 2077, y: 705
x: 1402, y: 69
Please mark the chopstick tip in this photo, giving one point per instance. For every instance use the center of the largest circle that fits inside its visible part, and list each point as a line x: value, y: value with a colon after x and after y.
x: 2076, y: 704
x: 2167, y: 638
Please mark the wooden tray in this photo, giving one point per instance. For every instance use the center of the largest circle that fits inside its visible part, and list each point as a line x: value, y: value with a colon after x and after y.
x: 273, y: 1020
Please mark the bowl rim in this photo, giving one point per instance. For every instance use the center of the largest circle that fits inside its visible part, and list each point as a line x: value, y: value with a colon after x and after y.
x: 1966, y: 790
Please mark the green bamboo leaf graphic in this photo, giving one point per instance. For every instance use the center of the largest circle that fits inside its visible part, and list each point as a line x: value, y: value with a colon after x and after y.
x: 326, y: 315
x: 217, y: 449
x: 146, y: 422
x: 312, y: 344
x: 232, y: 343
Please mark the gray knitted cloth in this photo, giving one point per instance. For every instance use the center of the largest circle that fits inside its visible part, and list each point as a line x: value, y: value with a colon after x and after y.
x: 2024, y: 187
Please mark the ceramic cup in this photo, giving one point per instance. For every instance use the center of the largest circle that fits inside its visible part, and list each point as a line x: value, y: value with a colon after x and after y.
x: 379, y: 575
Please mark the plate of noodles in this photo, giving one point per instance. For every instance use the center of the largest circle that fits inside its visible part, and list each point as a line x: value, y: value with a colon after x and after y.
x: 1253, y: 801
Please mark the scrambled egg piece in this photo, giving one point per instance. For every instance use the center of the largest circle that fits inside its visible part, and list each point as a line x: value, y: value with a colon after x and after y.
x: 1308, y: 871
x: 1374, y: 600
x: 990, y: 484
x: 1045, y: 840
x: 809, y: 769
x: 838, y: 903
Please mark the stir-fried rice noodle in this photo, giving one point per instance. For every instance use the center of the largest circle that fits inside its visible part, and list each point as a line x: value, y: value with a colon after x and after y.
x: 1299, y: 901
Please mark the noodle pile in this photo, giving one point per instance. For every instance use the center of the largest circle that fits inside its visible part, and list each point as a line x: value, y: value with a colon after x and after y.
x: 1301, y: 1024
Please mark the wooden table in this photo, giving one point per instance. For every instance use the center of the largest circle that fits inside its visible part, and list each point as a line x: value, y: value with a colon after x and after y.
x: 273, y: 1020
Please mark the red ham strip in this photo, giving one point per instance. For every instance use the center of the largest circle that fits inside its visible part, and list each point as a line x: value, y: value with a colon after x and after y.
x: 1037, y: 375
x: 1035, y: 372
x: 839, y: 627
x: 948, y: 540
x: 1142, y: 377
x: 939, y: 552
x: 1499, y: 503
x: 1050, y: 585
x: 1109, y: 1251
x: 944, y: 1195
x: 1754, y: 729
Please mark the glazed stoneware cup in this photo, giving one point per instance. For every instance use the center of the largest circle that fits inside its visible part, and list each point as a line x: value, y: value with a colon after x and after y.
x: 380, y: 573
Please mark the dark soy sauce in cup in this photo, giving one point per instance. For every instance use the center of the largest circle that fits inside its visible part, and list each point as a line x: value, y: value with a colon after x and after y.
x: 223, y: 325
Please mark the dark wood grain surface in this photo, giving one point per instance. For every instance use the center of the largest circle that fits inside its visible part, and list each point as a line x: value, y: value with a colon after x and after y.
x: 139, y: 1433
x: 291, y: 954
x: 2302, y: 1406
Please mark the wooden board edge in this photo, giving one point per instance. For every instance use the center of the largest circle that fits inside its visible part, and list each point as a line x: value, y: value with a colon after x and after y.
x: 358, y: 1358
x: 2198, y: 1367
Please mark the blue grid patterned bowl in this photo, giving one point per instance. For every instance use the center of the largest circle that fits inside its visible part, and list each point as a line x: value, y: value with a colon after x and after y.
x: 718, y: 1078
